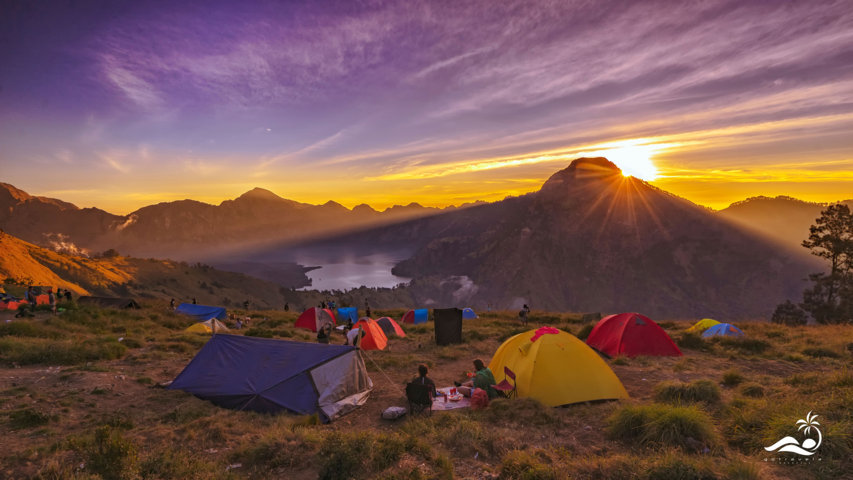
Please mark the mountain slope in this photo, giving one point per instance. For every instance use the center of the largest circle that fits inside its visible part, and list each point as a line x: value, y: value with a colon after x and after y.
x: 784, y: 219
x: 24, y: 263
x: 593, y: 240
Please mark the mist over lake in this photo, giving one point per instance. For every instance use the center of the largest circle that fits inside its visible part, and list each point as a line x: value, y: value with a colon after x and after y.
x: 347, y: 272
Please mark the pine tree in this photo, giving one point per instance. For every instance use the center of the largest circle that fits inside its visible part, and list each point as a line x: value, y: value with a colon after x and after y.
x: 831, y: 237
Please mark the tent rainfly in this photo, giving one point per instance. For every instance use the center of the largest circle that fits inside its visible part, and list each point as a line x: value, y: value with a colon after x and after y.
x: 202, y: 312
x: 269, y: 376
x: 418, y: 315
x: 314, y: 318
x: 631, y: 334
x: 556, y: 368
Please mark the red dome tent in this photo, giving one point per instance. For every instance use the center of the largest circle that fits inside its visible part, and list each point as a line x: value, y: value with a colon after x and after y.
x: 631, y: 334
x: 314, y: 318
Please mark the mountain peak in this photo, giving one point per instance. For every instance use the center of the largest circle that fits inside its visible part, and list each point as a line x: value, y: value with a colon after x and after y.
x: 258, y: 193
x: 586, y: 168
x: 594, y: 164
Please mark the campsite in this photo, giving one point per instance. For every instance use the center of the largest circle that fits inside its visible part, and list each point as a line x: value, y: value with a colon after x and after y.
x: 82, y: 397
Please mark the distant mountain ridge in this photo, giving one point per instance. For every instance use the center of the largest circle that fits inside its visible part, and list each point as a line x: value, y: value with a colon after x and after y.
x: 783, y: 219
x: 186, y: 229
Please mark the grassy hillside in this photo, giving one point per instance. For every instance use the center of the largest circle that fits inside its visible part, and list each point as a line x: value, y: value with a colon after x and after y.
x: 78, y: 403
x: 23, y: 263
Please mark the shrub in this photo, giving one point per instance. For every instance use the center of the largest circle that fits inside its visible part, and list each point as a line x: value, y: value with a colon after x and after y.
x: 677, y: 392
x: 747, y: 345
x: 342, y: 455
x: 183, y: 464
x: 258, y: 332
x: 584, y: 332
x: 108, y: 454
x: 789, y: 314
x: 620, y: 360
x: 818, y: 352
x: 732, y: 377
x: 29, y: 418
x: 522, y: 465
x: 752, y: 390
x: 681, y: 426
x: 691, y: 341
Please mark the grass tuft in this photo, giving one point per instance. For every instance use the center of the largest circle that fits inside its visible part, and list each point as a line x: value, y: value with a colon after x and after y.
x: 678, y: 392
x: 654, y: 425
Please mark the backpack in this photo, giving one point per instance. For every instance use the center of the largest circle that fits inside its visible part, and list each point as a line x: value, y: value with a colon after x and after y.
x: 479, y: 399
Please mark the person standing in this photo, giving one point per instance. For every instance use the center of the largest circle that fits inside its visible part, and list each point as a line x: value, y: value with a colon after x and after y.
x: 286, y: 307
x: 52, y: 297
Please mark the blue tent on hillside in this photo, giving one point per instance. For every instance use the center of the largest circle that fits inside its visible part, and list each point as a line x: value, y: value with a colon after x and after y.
x: 202, y: 313
x: 723, y: 330
x: 418, y: 315
x: 347, y: 313
x: 268, y: 375
x: 469, y: 313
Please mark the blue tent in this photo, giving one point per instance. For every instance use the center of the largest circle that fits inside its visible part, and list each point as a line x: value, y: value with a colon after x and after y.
x: 202, y: 313
x: 723, y: 330
x: 347, y: 313
x: 267, y: 375
x: 468, y: 313
x: 418, y: 315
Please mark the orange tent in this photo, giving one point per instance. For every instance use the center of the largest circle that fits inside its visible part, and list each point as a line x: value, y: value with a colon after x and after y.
x: 373, y: 338
x: 389, y: 326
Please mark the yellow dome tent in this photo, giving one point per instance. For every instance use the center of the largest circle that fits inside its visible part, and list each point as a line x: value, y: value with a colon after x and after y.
x: 206, y: 327
x: 703, y: 325
x: 556, y: 368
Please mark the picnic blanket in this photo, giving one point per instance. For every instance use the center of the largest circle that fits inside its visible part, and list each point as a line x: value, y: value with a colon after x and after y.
x: 440, y: 404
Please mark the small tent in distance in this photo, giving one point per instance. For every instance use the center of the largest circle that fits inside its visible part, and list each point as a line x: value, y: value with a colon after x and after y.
x: 556, y: 368
x: 469, y: 313
x: 703, y: 325
x: 631, y: 334
x: 723, y: 330
x: 268, y: 376
x: 372, y: 336
x: 109, y: 302
x: 314, y: 318
x: 419, y: 315
x: 207, y: 327
x: 390, y: 327
x: 201, y: 312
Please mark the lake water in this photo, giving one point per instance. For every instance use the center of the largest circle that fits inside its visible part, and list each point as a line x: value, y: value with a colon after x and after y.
x: 352, y: 272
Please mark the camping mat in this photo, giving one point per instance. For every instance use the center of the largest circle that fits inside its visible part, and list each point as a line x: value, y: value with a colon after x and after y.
x: 440, y: 404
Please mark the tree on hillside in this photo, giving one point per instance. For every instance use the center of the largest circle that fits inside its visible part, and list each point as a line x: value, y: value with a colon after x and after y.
x: 830, y: 299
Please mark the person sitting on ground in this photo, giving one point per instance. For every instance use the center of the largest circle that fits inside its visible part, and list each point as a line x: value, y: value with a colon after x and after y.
x: 324, y: 333
x: 424, y: 380
x: 483, y: 378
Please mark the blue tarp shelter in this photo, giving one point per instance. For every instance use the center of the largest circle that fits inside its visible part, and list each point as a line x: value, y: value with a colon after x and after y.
x: 268, y: 375
x: 469, y: 313
x: 418, y: 315
x: 723, y: 330
x: 347, y: 313
x: 202, y: 312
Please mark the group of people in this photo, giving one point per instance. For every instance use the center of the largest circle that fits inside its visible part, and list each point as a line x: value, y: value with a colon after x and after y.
x: 482, y: 379
x: 31, y: 299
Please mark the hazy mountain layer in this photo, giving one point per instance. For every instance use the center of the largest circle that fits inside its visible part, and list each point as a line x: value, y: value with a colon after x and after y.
x: 784, y: 219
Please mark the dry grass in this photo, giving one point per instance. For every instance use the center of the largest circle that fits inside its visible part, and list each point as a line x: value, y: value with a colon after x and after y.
x: 72, y: 394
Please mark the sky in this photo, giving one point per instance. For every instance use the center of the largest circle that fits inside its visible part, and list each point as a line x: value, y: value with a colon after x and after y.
x: 121, y: 104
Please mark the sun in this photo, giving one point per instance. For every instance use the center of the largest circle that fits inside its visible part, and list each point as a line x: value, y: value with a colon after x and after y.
x: 634, y: 161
